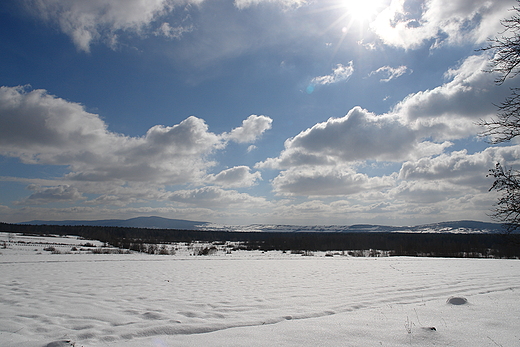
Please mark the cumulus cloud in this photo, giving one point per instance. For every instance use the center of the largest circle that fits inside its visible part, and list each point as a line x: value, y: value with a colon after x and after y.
x: 409, y: 24
x: 40, y: 128
x: 451, y: 110
x: 89, y: 21
x: 459, y: 167
x: 215, y: 197
x: 358, y: 136
x: 252, y: 128
x: 428, y: 192
x: 417, y: 131
x: 327, y: 181
x: 319, y: 160
x: 339, y: 74
x: 43, y: 195
x: 239, y: 176
x: 114, y: 200
x: 457, y: 180
x: 390, y: 72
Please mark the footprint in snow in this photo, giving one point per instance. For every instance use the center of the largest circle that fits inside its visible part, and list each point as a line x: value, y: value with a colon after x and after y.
x: 63, y: 343
x: 457, y: 300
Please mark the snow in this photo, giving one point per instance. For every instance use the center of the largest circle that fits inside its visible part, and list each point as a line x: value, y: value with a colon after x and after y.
x: 249, y: 298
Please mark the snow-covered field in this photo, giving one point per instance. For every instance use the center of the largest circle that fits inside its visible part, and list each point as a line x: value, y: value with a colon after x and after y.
x: 253, y: 299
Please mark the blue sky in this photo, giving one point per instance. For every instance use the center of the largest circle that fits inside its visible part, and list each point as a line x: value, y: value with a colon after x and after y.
x: 248, y: 111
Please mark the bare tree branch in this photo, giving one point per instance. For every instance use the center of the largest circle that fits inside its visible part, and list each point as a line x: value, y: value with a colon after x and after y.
x: 507, y: 181
x: 506, y: 126
x: 506, y: 47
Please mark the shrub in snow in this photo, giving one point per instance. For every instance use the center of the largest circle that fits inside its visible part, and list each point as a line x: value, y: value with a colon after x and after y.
x: 164, y: 250
x: 207, y: 251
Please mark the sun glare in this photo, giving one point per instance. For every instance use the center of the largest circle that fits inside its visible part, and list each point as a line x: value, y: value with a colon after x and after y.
x: 362, y: 10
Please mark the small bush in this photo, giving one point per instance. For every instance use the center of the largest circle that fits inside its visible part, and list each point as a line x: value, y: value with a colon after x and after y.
x: 208, y: 251
x: 152, y: 249
x: 164, y: 251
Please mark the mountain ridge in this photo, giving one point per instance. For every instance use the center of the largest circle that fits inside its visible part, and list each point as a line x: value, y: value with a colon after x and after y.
x: 151, y: 222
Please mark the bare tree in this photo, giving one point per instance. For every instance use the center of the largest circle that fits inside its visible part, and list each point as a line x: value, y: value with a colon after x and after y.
x: 506, y: 61
x: 507, y: 181
x: 506, y: 125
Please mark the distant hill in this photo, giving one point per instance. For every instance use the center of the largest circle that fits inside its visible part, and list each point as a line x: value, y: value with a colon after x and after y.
x: 463, y: 226
x: 138, y: 222
x: 457, y: 227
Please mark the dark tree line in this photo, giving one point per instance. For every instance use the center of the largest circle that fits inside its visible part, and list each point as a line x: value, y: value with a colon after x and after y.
x: 410, y: 244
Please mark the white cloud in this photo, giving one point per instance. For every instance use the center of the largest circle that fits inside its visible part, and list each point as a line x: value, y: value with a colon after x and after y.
x: 215, y: 197
x: 358, y: 136
x: 252, y: 128
x: 428, y: 192
x: 43, y: 195
x: 118, y: 193
x: 339, y: 74
x: 114, y: 200
x: 418, y: 131
x: 170, y: 32
x: 460, y: 168
x: 410, y: 24
x: 451, y: 110
x: 239, y: 176
x: 241, y: 4
x: 390, y: 72
x: 38, y: 127
x: 42, y: 129
x: 319, y: 160
x: 327, y: 181
x: 89, y: 21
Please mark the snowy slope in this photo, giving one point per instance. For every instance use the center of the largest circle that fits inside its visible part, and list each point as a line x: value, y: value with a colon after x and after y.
x: 443, y: 227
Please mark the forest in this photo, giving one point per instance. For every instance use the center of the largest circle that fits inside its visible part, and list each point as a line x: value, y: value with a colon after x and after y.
x: 393, y: 243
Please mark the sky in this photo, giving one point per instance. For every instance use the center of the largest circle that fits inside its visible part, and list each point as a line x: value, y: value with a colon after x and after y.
x: 249, y: 111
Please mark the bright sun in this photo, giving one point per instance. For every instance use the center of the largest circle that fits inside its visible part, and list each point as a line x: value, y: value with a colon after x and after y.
x: 362, y: 10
